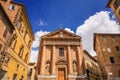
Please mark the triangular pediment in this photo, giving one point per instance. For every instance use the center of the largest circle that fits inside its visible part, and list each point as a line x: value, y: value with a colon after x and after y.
x: 60, y: 33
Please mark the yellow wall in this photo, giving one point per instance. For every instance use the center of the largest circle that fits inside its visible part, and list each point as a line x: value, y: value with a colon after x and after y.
x: 17, y: 60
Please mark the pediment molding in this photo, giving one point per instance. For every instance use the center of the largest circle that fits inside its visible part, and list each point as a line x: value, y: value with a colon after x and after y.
x: 61, y: 33
x: 61, y: 62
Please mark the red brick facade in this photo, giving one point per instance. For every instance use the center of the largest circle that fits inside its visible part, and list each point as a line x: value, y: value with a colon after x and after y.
x: 107, y: 47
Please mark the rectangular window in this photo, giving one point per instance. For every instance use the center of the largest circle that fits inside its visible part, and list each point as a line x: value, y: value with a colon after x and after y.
x: 119, y: 12
x: 5, y: 33
x: 0, y: 46
x: 21, y: 51
x: 108, y: 49
x: 117, y: 48
x: 14, y: 76
x: 26, y: 57
x: 7, y: 59
x: 113, y: 39
x: 61, y: 52
x: 17, y: 67
x: 104, y: 38
x: 25, y: 34
x: 116, y: 4
x: 12, y: 7
x: 112, y: 60
x: 13, y: 44
x: 29, y: 44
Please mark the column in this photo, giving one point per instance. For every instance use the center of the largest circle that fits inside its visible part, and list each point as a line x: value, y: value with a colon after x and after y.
x: 53, y: 60
x: 70, y: 68
x: 79, y: 58
x: 42, y: 66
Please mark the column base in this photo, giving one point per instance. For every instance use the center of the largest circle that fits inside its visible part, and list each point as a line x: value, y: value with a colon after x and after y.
x: 76, y: 76
x: 47, y: 77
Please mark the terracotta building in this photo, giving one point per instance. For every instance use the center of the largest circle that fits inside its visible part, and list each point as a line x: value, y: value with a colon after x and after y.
x: 107, y: 47
x: 18, y: 52
x: 91, y: 66
x: 60, y: 56
x: 115, y: 6
x: 32, y: 71
x: 6, y: 34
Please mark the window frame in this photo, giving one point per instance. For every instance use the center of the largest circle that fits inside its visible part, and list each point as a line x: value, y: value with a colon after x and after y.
x: 112, y: 60
x: 117, y: 48
x: 61, y: 52
x: 0, y: 46
x: 104, y: 38
x: 5, y: 33
x: 12, y: 7
x: 26, y: 57
x: 21, y: 51
x: 116, y: 4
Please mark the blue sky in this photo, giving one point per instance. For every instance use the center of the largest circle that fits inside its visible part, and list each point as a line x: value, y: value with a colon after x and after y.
x: 68, y: 13
x: 82, y: 17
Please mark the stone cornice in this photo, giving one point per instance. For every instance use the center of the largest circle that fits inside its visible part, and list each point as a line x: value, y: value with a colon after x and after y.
x: 61, y: 38
x: 14, y: 56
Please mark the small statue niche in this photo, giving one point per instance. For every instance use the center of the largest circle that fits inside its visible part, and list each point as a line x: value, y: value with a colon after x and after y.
x: 48, y: 67
x: 74, y: 67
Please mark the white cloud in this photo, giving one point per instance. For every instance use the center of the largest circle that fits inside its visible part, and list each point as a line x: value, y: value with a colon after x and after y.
x: 37, y: 35
x: 41, y: 23
x: 98, y: 23
x: 34, y: 56
x: 68, y: 29
x: 36, y: 43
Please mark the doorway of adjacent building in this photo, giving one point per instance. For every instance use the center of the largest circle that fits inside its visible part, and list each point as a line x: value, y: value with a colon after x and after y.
x: 61, y: 74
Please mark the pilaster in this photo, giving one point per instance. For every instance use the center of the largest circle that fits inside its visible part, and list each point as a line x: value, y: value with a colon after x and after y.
x: 43, y: 60
x: 79, y: 58
x: 53, y: 60
x: 70, y: 69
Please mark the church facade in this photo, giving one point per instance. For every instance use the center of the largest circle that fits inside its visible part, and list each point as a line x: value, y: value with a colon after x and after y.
x: 60, y: 57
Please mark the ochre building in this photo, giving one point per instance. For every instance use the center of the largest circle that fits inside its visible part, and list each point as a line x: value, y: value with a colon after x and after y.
x: 115, y: 6
x: 91, y: 67
x: 60, y: 57
x: 6, y: 33
x: 18, y: 52
x: 32, y: 71
x: 107, y: 47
